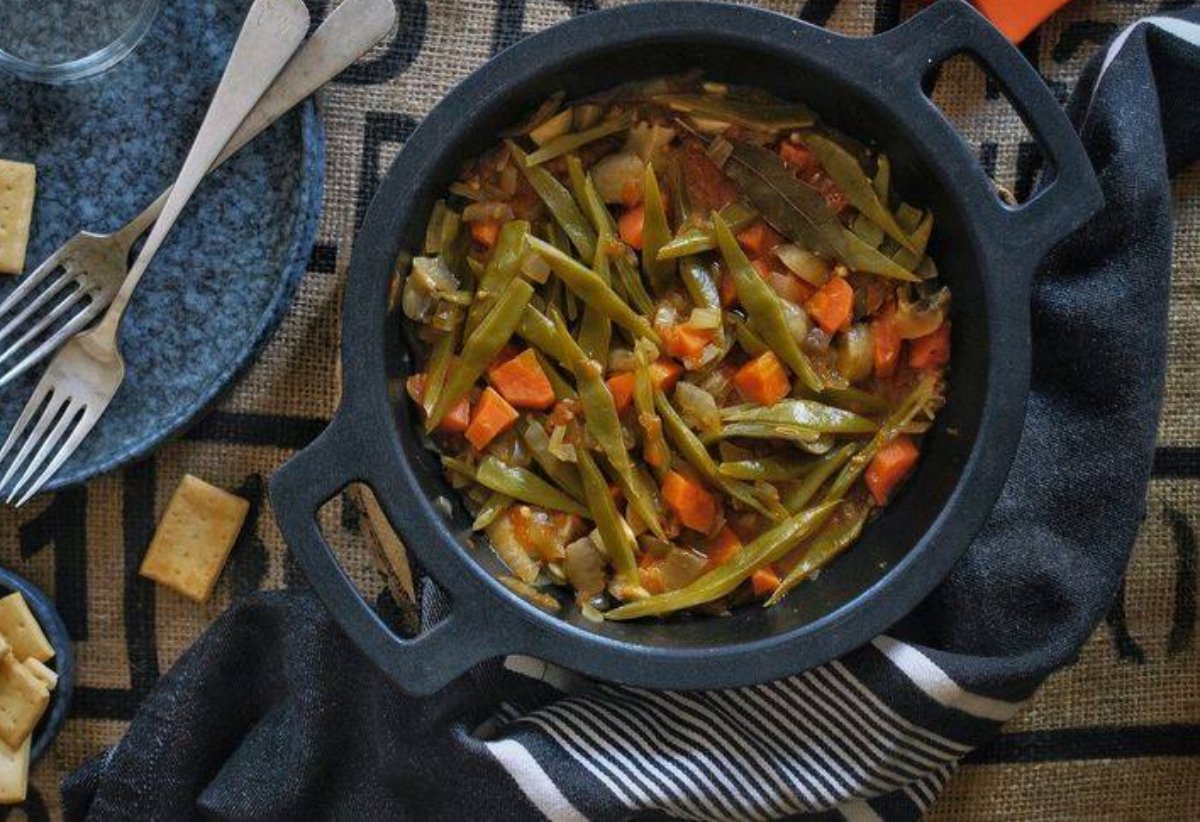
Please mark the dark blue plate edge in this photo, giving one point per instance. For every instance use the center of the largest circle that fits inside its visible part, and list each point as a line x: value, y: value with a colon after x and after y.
x: 304, y: 235
x: 63, y: 663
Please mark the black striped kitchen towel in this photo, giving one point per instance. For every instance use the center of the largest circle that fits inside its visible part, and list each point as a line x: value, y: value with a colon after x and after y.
x: 273, y: 715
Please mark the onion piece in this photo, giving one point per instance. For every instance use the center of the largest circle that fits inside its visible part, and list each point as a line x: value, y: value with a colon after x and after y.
x: 681, y: 567
x: 619, y: 178
x: 427, y: 280
x: 585, y: 567
x: 705, y: 318
x: 855, y: 350
x: 807, y: 266
x: 919, y: 317
x: 697, y: 407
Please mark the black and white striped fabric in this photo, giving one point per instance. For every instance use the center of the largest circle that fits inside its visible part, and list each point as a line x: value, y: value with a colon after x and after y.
x: 273, y: 715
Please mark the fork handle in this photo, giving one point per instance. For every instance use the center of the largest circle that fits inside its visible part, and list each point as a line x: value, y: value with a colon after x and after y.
x: 347, y: 33
x: 270, y: 36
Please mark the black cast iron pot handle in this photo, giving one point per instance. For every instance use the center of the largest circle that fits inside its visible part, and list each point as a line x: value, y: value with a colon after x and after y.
x: 298, y: 490
x: 1067, y: 199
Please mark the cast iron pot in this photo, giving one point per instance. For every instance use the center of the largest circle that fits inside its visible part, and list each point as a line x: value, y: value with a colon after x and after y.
x: 870, y: 88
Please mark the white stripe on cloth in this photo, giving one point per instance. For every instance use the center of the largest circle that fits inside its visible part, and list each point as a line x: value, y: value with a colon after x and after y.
x: 938, y: 686
x: 818, y: 741
x: 537, y: 786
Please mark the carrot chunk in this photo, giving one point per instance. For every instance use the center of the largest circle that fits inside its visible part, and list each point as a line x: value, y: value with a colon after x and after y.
x: 833, y: 305
x: 765, y: 581
x: 493, y: 416
x: 621, y: 387
x: 630, y: 225
x: 763, y: 380
x: 932, y: 350
x: 522, y: 382
x: 758, y: 238
x: 886, y: 352
x: 455, y: 422
x: 723, y: 547
x: 890, y: 466
x: 796, y: 156
x: 665, y: 372
x: 695, y: 507
x: 485, y: 232
x: 684, y: 341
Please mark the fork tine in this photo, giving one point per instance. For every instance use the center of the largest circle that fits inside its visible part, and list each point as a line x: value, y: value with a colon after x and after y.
x: 32, y: 280
x: 77, y: 296
x: 91, y: 415
x: 65, y: 421
x: 52, y: 408
x: 47, y: 348
x: 35, y: 402
x: 37, y: 302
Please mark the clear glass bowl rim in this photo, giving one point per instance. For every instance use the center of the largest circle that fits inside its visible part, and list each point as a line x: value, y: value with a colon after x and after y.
x: 90, y: 64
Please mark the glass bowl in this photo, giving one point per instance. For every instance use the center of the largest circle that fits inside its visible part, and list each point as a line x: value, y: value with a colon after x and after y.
x: 57, y: 41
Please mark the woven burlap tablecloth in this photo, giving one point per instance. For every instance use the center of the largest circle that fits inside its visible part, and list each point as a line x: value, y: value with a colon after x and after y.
x: 1115, y: 735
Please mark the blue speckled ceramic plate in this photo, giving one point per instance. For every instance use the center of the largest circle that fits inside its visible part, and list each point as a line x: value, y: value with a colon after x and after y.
x: 220, y: 285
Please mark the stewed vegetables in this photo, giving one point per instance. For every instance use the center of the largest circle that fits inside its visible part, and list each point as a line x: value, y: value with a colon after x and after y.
x: 680, y: 341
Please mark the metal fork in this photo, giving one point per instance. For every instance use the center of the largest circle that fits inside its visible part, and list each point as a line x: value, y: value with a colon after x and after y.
x: 93, y: 266
x: 85, y: 375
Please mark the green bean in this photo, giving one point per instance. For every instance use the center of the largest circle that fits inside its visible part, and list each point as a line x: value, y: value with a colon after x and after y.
x: 614, y: 531
x: 700, y: 284
x: 603, y: 423
x: 495, y: 505
x: 525, y: 486
x: 561, y: 473
x: 698, y: 239
x: 537, y: 330
x: 697, y: 456
x: 763, y: 308
x: 921, y: 395
x: 559, y: 203
x: 654, y: 445
x: 768, y: 547
x: 856, y: 396
x: 558, y: 384
x: 595, y: 329
x: 630, y: 278
x: 833, y: 539
x: 481, y: 347
x: 768, y: 469
x: 501, y: 270
x: 567, y: 143
x: 809, y: 439
x: 803, y: 413
x: 627, y: 278
x: 750, y: 342
x: 799, y: 495
x: 459, y: 466
x: 655, y: 234
x: 440, y: 356
x: 594, y: 291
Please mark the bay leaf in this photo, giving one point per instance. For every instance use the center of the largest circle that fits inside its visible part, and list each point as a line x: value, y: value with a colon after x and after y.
x: 849, y: 176
x: 795, y: 209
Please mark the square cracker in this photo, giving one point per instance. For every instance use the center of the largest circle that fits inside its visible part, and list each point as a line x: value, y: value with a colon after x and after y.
x: 14, y: 772
x: 17, y: 186
x: 21, y: 629
x: 23, y: 700
x: 47, y: 675
x: 194, y: 538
